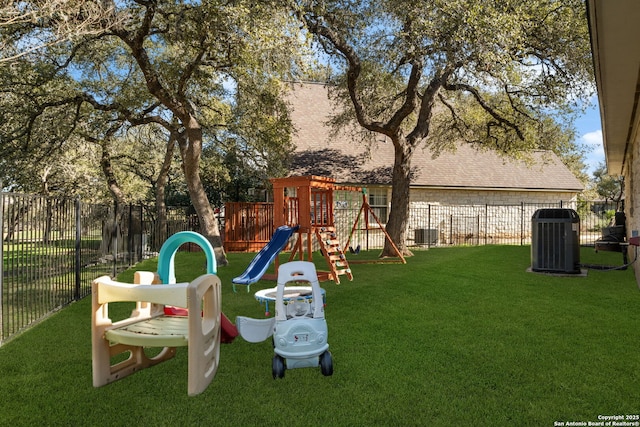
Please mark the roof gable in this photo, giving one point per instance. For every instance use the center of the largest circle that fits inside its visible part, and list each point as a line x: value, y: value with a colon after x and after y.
x: 318, y: 152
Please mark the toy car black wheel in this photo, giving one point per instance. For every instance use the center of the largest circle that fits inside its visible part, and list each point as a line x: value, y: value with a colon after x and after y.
x: 278, y: 367
x: 326, y: 363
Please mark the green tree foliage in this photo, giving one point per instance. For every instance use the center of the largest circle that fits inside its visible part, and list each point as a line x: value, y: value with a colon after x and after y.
x: 609, y: 188
x: 27, y: 27
x: 152, y: 63
x: 504, y: 76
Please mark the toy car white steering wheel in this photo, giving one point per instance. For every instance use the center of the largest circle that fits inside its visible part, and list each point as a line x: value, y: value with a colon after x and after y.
x: 298, y: 308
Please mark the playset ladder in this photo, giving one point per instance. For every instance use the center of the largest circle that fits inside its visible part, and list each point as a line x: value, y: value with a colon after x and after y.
x: 330, y: 247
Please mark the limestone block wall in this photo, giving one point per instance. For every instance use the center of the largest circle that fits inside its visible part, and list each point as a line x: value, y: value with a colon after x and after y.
x: 481, y: 217
x: 632, y: 201
x: 491, y: 197
x: 454, y: 217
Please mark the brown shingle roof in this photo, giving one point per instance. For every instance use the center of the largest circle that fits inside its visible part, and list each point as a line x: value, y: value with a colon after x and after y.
x: 339, y: 157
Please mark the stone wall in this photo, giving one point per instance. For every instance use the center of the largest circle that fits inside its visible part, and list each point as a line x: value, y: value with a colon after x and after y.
x: 454, y: 217
x: 487, y: 197
x: 632, y: 203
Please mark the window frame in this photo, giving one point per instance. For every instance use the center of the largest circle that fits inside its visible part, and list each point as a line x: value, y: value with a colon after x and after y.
x: 378, y: 206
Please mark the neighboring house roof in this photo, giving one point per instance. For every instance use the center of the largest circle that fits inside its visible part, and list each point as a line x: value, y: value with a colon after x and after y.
x: 320, y: 153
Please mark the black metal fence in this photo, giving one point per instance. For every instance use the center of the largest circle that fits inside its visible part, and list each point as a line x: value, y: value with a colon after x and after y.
x: 52, y: 248
x: 445, y: 225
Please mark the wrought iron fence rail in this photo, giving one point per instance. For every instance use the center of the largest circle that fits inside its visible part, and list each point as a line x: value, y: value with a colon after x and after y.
x: 52, y: 248
x: 446, y: 225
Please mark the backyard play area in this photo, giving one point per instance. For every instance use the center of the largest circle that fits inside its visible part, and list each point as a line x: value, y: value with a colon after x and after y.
x: 456, y: 336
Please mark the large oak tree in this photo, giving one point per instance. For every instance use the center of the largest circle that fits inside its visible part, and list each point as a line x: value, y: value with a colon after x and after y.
x: 502, y: 75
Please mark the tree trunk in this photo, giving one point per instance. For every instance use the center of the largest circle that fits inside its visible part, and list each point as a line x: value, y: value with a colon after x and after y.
x: 111, y: 229
x: 191, y: 160
x: 191, y: 148
x: 160, y: 233
x: 109, y: 174
x: 399, y: 215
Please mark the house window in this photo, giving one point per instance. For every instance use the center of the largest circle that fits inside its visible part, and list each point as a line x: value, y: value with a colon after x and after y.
x: 378, y: 203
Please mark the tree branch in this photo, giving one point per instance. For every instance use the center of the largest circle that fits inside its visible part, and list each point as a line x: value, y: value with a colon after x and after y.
x: 64, y: 21
x: 485, y: 106
x: 353, y: 71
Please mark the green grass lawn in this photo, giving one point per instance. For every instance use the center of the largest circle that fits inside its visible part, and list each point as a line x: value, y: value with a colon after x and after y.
x: 457, y: 336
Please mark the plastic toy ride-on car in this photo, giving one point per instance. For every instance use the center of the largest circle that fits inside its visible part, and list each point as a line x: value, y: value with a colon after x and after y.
x: 300, y: 331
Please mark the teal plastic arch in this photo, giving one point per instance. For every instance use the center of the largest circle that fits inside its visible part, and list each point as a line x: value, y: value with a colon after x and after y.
x: 166, y: 269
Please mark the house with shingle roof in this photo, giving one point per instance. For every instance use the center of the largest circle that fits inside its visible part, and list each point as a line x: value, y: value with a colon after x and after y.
x: 464, y: 177
x: 456, y: 197
x: 453, y: 195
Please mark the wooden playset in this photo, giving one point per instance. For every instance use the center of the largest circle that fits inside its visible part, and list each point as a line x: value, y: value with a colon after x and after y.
x: 364, y: 213
x: 307, y: 202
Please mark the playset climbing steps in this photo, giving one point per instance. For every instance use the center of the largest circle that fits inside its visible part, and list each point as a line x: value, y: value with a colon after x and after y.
x: 330, y: 248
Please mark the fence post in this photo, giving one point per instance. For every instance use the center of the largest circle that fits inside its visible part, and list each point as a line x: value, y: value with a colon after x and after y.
x: 78, y: 213
x: 486, y: 223
x: 114, y: 238
x: 521, y: 223
x: 1, y: 262
x: 128, y: 253
x: 142, y: 234
x: 429, y: 225
x: 451, y: 229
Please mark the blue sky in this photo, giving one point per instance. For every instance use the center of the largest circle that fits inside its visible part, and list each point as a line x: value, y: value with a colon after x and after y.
x: 589, y: 132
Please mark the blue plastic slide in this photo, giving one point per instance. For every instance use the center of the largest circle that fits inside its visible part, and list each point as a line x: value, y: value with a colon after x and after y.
x: 265, y: 257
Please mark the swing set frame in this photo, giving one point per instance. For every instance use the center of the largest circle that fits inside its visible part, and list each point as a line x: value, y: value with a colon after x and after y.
x: 366, y: 209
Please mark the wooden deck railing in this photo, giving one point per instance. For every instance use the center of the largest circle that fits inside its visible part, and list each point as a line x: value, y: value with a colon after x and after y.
x: 248, y: 226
